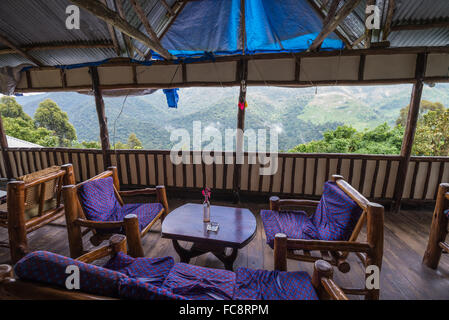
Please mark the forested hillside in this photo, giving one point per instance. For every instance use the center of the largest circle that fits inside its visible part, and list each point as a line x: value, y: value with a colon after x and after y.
x: 300, y: 115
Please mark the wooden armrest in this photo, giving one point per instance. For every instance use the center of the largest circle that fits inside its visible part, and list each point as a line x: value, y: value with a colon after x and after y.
x: 99, y: 224
x: 323, y: 283
x: 276, y: 203
x: 447, y: 196
x: 334, y: 291
x: 138, y: 192
x: 116, y: 244
x: 344, y: 246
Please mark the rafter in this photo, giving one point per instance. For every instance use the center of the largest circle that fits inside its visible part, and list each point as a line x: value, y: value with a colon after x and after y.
x: 113, y: 18
x: 18, y: 50
x: 143, y: 18
x: 53, y: 46
x: 388, y: 21
x: 169, y: 9
x: 420, y: 26
x: 368, y: 32
x: 345, y: 10
x: 178, y: 11
x: 112, y: 34
x: 128, y: 43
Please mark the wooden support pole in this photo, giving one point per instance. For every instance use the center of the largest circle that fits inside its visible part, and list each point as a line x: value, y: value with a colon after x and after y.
x: 104, y: 134
x: 243, y: 74
x: 410, y: 129
x: 280, y: 252
x: 135, y: 248
x: 72, y: 210
x: 438, y: 229
x: 113, y: 18
x: 4, y: 146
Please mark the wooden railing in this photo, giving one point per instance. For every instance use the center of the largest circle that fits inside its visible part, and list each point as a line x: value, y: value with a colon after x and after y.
x: 297, y: 174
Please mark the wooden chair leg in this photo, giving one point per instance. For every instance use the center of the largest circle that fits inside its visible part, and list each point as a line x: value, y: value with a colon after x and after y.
x: 16, y: 220
x: 71, y: 215
x: 280, y: 252
x: 438, y: 229
x: 132, y: 231
x: 162, y: 198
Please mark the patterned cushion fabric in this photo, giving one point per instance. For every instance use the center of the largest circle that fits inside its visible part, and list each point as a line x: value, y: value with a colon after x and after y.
x: 100, y: 204
x: 99, y: 201
x: 199, y: 283
x: 150, y: 270
x: 134, y: 289
x: 336, y: 214
x: 273, y: 285
x: 47, y: 267
x: 145, y: 212
x: 447, y: 213
x: 295, y: 224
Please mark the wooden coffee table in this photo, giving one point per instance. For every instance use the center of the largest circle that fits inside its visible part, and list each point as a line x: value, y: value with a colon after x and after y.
x: 237, y: 228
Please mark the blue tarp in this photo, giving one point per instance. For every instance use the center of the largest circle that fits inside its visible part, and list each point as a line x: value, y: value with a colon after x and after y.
x: 214, y: 27
x: 172, y: 97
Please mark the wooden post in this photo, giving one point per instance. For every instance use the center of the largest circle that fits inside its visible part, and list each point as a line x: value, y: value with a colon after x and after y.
x: 71, y: 210
x: 280, y: 252
x: 69, y: 177
x: 16, y: 220
x: 4, y: 146
x: 438, y: 230
x: 162, y: 199
x: 321, y: 269
x: 135, y: 248
x: 410, y: 129
x: 104, y: 134
x: 375, y: 238
x: 243, y: 74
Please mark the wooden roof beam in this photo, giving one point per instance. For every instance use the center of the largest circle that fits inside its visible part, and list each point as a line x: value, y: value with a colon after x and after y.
x: 169, y: 9
x: 113, y: 18
x: 112, y: 34
x: 332, y: 25
x: 143, y: 18
x: 18, y: 50
x: 388, y: 21
x: 368, y: 32
x: 420, y: 26
x: 69, y: 45
x: 178, y: 11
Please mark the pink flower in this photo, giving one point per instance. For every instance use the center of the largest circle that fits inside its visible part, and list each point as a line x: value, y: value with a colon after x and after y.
x: 206, y: 193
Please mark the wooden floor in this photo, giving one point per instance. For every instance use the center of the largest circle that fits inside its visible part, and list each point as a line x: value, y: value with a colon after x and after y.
x: 403, y: 276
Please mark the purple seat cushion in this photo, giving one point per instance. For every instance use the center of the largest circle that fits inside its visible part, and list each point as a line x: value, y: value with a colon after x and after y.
x: 336, y: 215
x: 47, y: 267
x: 100, y: 204
x: 134, y: 289
x: 199, y: 283
x: 294, y: 224
x: 99, y: 201
x: 334, y: 219
x: 150, y: 270
x: 145, y: 212
x: 273, y: 285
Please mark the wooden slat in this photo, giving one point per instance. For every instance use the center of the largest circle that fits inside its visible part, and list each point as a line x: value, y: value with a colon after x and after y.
x: 362, y: 176
x: 315, y: 174
x: 292, y: 184
x: 426, y: 183
x: 440, y: 178
x: 386, y: 179
x: 415, y: 174
x: 304, y: 176
x: 374, y: 182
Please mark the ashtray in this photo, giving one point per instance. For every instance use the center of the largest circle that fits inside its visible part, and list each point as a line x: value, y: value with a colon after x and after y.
x: 212, y: 226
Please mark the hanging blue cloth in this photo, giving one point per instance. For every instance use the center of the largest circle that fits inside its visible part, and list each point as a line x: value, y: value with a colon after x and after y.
x: 172, y: 97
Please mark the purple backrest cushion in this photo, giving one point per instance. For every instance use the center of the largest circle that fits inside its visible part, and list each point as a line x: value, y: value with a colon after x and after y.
x: 50, y: 268
x: 99, y: 201
x: 336, y: 215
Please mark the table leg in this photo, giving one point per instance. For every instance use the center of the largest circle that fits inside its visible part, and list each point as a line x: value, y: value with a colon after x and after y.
x: 228, y: 260
x: 184, y: 254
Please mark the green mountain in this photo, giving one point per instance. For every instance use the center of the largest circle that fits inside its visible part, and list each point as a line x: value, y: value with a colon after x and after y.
x: 298, y: 114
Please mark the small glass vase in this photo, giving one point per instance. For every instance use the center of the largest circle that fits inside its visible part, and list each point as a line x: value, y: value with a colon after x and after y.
x: 206, y: 211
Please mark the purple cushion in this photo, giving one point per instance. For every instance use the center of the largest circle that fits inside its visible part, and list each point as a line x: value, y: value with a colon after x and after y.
x: 99, y: 201
x: 134, y: 289
x: 273, y: 285
x: 336, y: 215
x: 151, y: 270
x: 199, y: 283
x: 447, y: 213
x: 294, y: 224
x: 100, y: 204
x: 145, y: 212
x: 47, y: 267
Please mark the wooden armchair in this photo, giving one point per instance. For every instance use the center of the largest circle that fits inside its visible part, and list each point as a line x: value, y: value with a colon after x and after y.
x: 12, y: 288
x: 370, y: 251
x: 438, y: 230
x: 33, y: 201
x: 76, y: 217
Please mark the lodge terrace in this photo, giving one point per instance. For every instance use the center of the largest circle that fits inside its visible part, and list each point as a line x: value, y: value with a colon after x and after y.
x: 386, y: 211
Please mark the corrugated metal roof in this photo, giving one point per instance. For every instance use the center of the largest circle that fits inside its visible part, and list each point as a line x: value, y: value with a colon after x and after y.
x: 31, y: 22
x: 18, y: 143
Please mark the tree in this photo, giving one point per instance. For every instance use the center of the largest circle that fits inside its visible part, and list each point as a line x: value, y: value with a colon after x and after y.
x: 88, y: 145
x: 345, y: 139
x: 10, y: 108
x: 134, y: 142
x: 424, y: 107
x: 50, y: 116
x: 432, y: 134
x: 25, y: 130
